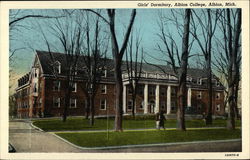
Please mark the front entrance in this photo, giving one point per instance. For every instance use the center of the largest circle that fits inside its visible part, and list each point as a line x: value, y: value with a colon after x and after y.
x: 152, y: 106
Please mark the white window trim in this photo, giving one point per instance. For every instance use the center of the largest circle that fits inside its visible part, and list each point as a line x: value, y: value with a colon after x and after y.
x: 199, y: 82
x: 218, y: 106
x: 105, y: 73
x: 217, y: 83
x: 217, y: 95
x: 75, y: 85
x: 105, y: 88
x: 105, y: 104
x: 71, y: 99
x: 142, y: 104
x: 59, y: 103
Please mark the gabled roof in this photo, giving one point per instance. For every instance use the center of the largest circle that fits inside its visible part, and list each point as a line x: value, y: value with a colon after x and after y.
x: 47, y: 65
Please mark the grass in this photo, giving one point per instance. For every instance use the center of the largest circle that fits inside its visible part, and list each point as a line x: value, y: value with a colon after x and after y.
x: 74, y: 123
x: 102, y: 139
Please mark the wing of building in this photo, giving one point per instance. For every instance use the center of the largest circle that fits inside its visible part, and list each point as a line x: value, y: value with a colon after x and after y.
x: 40, y: 93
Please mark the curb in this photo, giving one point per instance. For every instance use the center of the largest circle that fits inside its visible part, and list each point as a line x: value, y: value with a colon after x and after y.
x: 35, y: 127
x: 143, y: 145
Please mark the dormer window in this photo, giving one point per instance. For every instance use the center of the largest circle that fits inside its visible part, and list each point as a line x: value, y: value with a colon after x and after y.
x: 199, y: 81
x: 73, y: 71
x: 104, y: 73
x: 57, y: 67
x: 217, y: 83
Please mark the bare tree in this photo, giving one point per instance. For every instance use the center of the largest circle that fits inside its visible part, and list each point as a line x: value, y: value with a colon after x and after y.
x: 134, y: 68
x: 173, y: 53
x: 230, y: 57
x: 207, y: 27
x: 16, y: 17
x: 94, y: 63
x: 70, y: 37
x: 117, y: 53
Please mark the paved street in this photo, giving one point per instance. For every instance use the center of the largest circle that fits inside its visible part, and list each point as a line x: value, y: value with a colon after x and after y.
x: 24, y: 138
x: 27, y: 139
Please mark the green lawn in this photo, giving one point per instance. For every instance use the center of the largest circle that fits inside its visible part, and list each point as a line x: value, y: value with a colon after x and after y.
x: 83, y: 124
x: 102, y: 139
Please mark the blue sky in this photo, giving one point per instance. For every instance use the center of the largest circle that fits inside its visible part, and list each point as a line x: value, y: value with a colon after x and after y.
x: 29, y: 35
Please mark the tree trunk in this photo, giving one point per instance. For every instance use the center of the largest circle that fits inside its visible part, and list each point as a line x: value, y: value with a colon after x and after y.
x: 133, y: 105
x: 118, y: 96
x: 92, y: 107
x: 67, y: 101
x: 232, y: 79
x: 182, y: 91
x: 237, y: 114
x: 231, y: 115
x: 87, y: 106
x: 209, y: 119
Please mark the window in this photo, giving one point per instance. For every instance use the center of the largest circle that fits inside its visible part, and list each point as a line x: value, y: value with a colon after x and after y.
x: 56, y: 85
x: 103, y: 104
x: 72, y: 102
x: 217, y: 107
x: 104, y: 73
x: 199, y: 81
x: 173, y: 105
x: 199, y: 95
x: 217, y: 95
x: 129, y: 90
x: 56, y: 102
x: 130, y: 104
x: 74, y: 87
x: 173, y: 92
x: 217, y: 83
x: 140, y: 90
x: 142, y: 105
x: 40, y: 102
x: 103, y: 89
x: 163, y: 104
x: 163, y: 91
x: 152, y: 91
x: 199, y: 106
x: 57, y: 67
x: 35, y: 87
x: 35, y: 72
x: 73, y: 71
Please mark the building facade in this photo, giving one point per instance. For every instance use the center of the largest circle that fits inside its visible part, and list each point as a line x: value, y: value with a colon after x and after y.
x: 41, y: 94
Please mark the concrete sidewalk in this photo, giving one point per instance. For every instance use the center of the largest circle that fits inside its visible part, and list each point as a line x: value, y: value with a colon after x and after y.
x: 25, y: 138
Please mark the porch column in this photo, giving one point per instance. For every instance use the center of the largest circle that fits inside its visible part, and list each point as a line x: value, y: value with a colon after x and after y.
x: 124, y: 100
x: 157, y: 98
x: 146, y: 98
x: 189, y: 97
x: 169, y: 100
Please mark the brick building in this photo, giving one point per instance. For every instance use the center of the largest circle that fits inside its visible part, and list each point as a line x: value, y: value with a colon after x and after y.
x: 40, y: 93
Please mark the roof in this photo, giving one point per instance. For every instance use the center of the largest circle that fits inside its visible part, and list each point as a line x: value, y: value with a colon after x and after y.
x: 47, y: 65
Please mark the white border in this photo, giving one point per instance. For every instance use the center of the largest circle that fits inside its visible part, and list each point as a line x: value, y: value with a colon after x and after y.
x: 4, y: 81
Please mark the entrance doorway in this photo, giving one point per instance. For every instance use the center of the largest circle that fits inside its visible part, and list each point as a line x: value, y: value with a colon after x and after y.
x: 152, y: 106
